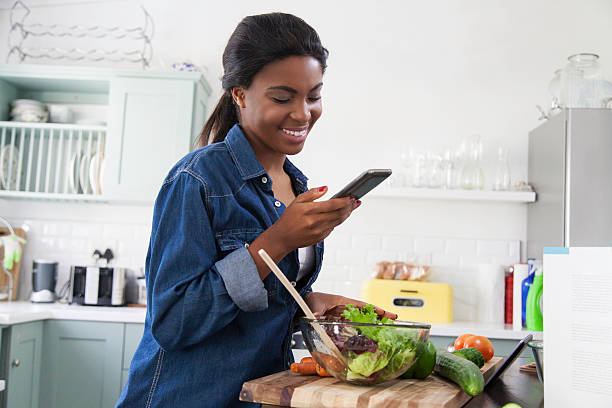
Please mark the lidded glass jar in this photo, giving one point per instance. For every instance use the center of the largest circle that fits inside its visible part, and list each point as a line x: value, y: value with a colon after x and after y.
x: 582, y: 82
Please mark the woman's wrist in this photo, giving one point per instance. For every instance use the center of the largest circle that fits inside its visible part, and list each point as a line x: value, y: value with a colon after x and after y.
x: 273, y: 247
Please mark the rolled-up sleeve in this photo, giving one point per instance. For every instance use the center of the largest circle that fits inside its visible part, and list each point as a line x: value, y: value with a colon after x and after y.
x: 193, y: 294
x: 242, y: 281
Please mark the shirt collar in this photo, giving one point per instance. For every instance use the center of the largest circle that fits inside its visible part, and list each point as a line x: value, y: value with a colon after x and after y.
x: 246, y: 161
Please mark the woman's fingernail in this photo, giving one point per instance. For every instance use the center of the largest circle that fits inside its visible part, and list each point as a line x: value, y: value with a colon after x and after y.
x: 322, y: 188
x: 352, y: 199
x: 358, y: 203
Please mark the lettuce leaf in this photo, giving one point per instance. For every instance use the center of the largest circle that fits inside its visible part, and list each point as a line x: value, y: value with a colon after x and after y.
x: 367, y: 363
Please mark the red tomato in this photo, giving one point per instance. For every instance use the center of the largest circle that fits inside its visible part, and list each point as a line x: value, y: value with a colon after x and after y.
x: 460, y: 341
x: 482, y: 344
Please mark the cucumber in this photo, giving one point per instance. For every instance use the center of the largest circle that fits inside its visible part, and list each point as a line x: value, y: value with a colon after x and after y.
x: 461, y: 371
x: 472, y: 354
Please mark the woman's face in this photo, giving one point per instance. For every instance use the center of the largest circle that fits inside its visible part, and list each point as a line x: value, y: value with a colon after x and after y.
x: 282, y: 104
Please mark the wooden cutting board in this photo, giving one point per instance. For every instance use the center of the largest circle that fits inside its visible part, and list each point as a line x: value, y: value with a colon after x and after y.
x: 4, y: 279
x: 288, y: 389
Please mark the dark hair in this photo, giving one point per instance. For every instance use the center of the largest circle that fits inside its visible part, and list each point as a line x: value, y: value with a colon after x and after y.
x: 257, y: 41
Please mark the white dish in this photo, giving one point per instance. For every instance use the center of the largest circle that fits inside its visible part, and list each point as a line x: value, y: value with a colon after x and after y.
x: 28, y: 103
x: 60, y: 114
x: 95, y: 172
x: 6, y: 162
x: 84, y: 174
x: 72, y: 172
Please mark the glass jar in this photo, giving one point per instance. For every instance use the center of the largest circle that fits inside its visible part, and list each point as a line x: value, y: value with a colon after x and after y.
x: 472, y: 174
x: 582, y: 82
x: 502, y: 170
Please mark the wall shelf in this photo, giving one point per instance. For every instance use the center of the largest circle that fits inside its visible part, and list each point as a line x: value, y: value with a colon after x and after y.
x: 466, y: 195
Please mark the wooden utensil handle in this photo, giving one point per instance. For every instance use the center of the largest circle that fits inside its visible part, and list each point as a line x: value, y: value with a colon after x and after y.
x: 300, y: 301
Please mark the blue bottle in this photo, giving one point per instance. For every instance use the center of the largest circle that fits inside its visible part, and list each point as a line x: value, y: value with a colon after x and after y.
x: 525, y: 286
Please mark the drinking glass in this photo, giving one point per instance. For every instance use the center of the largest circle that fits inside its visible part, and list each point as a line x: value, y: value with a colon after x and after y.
x: 502, y: 170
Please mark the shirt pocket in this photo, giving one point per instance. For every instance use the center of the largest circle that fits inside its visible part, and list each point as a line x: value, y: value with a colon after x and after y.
x: 231, y: 240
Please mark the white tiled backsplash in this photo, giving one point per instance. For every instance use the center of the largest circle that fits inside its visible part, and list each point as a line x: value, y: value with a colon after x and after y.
x: 69, y: 232
x: 350, y: 259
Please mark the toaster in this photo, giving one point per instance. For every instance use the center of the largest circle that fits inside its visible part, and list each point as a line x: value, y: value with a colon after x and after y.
x: 411, y: 300
x: 97, y: 286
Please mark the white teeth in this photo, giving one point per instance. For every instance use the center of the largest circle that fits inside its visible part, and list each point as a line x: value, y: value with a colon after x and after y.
x: 291, y: 132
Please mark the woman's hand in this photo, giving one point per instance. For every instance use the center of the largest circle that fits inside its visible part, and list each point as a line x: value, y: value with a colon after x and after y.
x: 303, y: 223
x: 325, y: 304
x: 306, y: 222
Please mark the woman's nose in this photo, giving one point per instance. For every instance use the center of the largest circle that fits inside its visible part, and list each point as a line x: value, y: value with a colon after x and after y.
x: 301, y: 113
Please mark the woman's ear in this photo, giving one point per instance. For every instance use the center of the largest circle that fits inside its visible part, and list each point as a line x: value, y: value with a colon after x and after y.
x: 239, y: 96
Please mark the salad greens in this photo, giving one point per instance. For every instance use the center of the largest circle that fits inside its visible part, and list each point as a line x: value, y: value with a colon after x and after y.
x: 376, y: 352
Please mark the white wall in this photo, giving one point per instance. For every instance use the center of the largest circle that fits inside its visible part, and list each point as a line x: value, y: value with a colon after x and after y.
x: 401, y: 74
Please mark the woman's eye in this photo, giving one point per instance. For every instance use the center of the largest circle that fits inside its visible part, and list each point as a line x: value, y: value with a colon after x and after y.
x: 314, y: 98
x: 281, y: 100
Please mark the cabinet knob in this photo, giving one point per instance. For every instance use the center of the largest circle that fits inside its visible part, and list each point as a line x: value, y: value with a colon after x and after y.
x: 16, y: 363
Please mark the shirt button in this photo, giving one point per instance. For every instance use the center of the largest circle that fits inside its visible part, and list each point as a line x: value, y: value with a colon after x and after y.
x: 277, y: 203
x: 293, y: 283
x: 264, y: 180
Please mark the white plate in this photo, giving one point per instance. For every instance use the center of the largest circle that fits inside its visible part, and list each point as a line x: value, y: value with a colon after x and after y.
x: 6, y: 163
x: 72, y: 172
x: 95, y: 171
x: 84, y: 174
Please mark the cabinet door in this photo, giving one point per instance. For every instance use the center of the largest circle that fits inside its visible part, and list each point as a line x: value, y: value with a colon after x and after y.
x: 82, y: 365
x: 23, y: 379
x: 149, y: 130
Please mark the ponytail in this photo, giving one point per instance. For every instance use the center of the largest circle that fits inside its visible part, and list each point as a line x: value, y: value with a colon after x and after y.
x: 220, y: 122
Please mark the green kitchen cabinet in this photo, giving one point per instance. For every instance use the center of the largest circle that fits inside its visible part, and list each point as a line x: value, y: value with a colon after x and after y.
x: 22, y: 344
x: 131, y: 339
x: 151, y: 126
x: 82, y: 364
x: 140, y: 122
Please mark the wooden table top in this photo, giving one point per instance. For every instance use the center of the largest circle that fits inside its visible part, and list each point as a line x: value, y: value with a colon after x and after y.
x: 515, y: 386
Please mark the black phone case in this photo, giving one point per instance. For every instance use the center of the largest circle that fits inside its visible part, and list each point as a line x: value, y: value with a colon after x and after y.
x: 365, y: 182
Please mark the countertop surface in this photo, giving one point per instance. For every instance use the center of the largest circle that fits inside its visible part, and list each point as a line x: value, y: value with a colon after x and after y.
x: 23, y: 311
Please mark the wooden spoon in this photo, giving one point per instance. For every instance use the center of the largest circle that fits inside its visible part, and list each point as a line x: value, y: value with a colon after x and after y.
x: 300, y: 301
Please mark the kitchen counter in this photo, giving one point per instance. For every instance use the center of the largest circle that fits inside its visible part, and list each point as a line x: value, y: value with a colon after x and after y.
x: 491, y: 330
x: 23, y: 312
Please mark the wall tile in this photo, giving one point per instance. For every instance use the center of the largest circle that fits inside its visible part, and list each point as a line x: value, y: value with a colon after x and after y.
x: 367, y: 242
x: 350, y: 257
x: 460, y: 247
x: 373, y: 257
x: 399, y: 243
x: 493, y: 248
x: 436, y: 245
x: 338, y: 241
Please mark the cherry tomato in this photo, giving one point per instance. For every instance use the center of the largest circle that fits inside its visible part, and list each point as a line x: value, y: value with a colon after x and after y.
x: 460, y: 341
x: 482, y: 344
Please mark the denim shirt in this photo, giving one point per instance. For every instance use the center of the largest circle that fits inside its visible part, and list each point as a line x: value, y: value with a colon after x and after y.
x: 211, y: 322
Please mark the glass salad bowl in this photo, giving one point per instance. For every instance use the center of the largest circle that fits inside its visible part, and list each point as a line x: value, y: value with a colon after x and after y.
x: 365, y: 353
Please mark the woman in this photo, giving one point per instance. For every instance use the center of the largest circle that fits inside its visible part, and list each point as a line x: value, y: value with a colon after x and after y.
x: 216, y: 316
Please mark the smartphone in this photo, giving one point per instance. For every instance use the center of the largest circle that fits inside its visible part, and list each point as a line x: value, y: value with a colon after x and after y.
x: 510, y: 359
x: 365, y: 182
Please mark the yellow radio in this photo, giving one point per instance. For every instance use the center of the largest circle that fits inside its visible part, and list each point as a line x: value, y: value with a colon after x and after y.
x: 411, y: 300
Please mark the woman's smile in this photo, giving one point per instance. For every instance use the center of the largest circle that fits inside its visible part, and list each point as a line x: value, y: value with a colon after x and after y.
x: 295, y: 135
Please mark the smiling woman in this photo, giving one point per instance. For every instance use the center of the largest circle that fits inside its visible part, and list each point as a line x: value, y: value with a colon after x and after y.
x: 216, y: 317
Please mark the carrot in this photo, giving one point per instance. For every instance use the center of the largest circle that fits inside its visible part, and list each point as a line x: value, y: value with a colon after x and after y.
x: 304, y: 368
x: 332, y: 362
x: 321, y: 372
x: 307, y: 360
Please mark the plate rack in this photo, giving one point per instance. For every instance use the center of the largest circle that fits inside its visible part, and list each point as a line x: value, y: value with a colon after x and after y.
x: 51, y: 159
